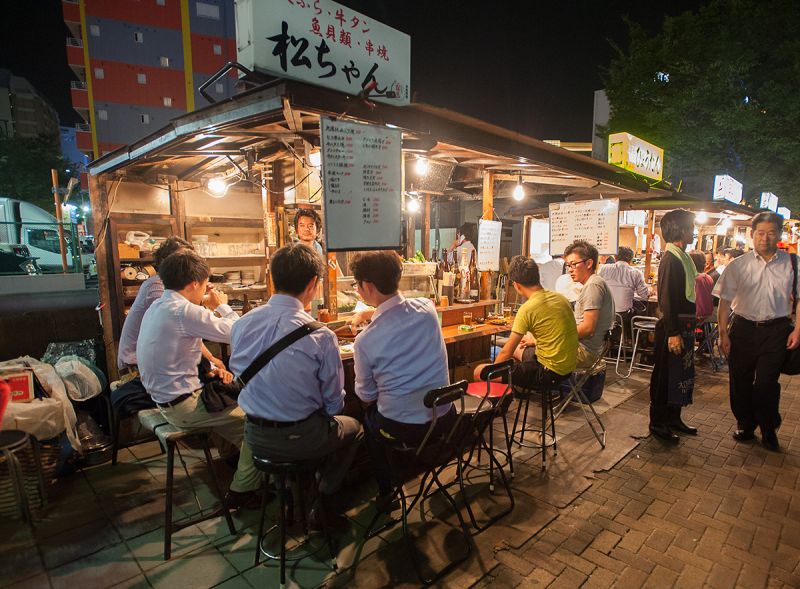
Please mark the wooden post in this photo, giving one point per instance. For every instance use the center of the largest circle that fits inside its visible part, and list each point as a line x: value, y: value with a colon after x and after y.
x: 488, y: 214
x: 59, y: 218
x: 426, y: 228
x: 648, y: 257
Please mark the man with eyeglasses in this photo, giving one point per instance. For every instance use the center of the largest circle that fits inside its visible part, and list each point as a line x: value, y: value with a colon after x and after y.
x: 594, y: 309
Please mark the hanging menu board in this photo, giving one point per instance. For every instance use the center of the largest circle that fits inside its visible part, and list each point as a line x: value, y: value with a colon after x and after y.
x: 489, y: 233
x: 362, y: 185
x: 596, y: 221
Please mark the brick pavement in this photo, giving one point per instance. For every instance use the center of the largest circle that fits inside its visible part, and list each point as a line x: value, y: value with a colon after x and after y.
x: 707, y: 513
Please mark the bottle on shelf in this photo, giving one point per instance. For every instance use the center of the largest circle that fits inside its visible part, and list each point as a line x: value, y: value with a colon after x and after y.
x: 474, y: 281
x: 456, y: 279
x: 463, y: 269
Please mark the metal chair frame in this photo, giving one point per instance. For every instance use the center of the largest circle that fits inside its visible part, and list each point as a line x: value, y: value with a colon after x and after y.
x: 640, y: 324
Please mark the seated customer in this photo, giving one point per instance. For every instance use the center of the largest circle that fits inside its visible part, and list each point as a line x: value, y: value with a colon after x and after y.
x: 291, y: 403
x: 594, y: 309
x: 703, y: 285
x: 399, y: 357
x: 169, y: 350
x: 547, y: 316
x: 626, y: 283
x: 149, y: 291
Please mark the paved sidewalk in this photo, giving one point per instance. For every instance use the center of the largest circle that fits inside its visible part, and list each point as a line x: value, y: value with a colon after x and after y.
x: 707, y: 513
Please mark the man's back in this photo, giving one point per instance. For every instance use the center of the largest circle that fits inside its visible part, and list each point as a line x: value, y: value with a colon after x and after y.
x: 625, y: 283
x: 399, y: 357
x: 548, y: 316
x: 304, y: 378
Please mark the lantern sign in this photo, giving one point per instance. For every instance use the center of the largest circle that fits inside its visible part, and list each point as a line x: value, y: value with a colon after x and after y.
x: 636, y: 155
x: 784, y: 212
x: 327, y: 44
x: 727, y: 188
x: 769, y: 201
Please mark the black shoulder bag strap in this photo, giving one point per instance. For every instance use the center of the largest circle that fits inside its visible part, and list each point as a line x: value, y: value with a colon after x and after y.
x: 794, y: 283
x: 275, y: 349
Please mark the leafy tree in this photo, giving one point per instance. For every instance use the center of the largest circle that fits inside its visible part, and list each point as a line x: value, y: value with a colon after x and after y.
x: 25, y: 165
x: 718, y: 90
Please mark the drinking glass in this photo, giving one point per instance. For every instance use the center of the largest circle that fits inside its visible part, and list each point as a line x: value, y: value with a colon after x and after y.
x: 467, y: 317
x: 507, y: 312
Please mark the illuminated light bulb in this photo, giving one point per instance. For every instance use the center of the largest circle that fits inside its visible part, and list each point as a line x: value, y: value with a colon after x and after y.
x: 413, y: 205
x: 421, y: 166
x: 702, y: 217
x: 217, y: 187
x: 315, y: 158
x: 85, y: 208
x: 519, y: 191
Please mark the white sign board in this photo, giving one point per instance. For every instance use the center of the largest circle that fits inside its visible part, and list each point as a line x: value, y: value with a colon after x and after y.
x: 324, y: 43
x: 489, y: 233
x: 596, y: 221
x: 362, y: 185
x: 727, y: 188
x: 784, y: 212
x: 769, y: 201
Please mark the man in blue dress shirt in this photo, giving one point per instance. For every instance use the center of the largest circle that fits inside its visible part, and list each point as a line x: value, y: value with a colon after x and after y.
x: 168, y: 350
x: 398, y: 358
x: 292, y: 403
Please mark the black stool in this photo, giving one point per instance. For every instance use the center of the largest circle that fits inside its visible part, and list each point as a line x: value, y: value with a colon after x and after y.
x: 169, y: 436
x: 545, y: 390
x: 282, y: 472
x: 11, y: 442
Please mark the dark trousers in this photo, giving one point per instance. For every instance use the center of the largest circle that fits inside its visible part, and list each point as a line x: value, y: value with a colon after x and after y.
x: 379, y: 427
x: 757, y: 355
x: 661, y: 412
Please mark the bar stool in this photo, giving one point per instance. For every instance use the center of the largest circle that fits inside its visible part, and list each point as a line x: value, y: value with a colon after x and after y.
x: 640, y: 324
x: 170, y: 436
x: 282, y: 472
x: 11, y: 443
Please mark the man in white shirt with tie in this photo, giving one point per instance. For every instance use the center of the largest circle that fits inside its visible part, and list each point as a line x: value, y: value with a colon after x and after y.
x: 757, y: 286
x: 169, y: 349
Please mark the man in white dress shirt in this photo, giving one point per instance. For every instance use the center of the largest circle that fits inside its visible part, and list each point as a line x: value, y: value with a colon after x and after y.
x: 169, y: 349
x: 757, y: 286
x: 626, y: 283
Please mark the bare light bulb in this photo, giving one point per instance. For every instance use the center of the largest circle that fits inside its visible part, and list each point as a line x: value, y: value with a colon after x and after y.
x: 413, y: 205
x: 702, y: 217
x: 421, y: 166
x: 217, y: 187
x: 519, y: 191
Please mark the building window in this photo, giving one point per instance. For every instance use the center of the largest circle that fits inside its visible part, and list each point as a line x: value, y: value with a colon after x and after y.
x: 219, y: 88
x: 141, y: 78
x: 165, y: 62
x: 217, y: 49
x: 167, y: 101
x: 99, y: 73
x: 145, y: 119
x: 94, y: 30
x: 206, y: 10
x: 161, y: 2
x: 138, y: 37
x: 102, y: 114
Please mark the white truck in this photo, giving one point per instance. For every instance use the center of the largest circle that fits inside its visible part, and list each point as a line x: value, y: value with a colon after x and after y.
x: 26, y: 224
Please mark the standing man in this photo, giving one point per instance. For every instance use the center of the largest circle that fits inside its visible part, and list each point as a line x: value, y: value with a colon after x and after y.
x: 757, y: 286
x: 307, y: 225
x: 169, y: 350
x: 626, y: 282
x: 594, y: 309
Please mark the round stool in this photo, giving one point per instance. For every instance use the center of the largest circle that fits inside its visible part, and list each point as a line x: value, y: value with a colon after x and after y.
x: 12, y: 442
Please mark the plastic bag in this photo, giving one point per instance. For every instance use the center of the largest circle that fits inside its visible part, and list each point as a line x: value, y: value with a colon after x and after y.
x: 80, y: 380
x: 83, y: 348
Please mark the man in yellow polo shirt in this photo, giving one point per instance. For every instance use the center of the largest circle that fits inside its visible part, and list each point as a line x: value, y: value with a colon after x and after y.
x: 548, y: 316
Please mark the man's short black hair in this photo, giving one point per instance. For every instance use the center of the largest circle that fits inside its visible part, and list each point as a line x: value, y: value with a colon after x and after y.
x: 524, y: 271
x: 293, y: 266
x: 169, y: 247
x: 311, y: 214
x: 381, y: 268
x: 699, y: 259
x: 767, y: 217
x: 675, y: 224
x: 182, y: 268
x: 469, y: 231
x: 585, y: 250
x: 732, y: 252
x: 625, y: 254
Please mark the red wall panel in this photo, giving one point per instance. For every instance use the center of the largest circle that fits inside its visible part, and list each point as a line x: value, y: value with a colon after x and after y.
x: 120, y: 85
x: 138, y: 11
x: 203, y: 59
x: 72, y: 12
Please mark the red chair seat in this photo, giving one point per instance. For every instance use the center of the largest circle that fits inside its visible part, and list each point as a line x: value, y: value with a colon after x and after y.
x: 478, y: 389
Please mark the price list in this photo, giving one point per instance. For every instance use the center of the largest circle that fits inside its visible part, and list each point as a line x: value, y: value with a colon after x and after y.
x: 596, y: 221
x: 362, y: 185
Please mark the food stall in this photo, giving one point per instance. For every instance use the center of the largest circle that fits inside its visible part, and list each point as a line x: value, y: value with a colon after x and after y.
x: 231, y: 177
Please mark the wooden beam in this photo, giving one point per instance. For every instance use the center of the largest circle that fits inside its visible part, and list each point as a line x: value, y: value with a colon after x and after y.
x: 426, y: 228
x: 488, y: 214
x: 648, y: 257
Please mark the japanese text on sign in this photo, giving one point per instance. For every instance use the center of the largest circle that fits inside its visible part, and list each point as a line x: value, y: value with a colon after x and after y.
x: 362, y: 185
x: 324, y: 43
x: 596, y: 221
x: 489, y: 234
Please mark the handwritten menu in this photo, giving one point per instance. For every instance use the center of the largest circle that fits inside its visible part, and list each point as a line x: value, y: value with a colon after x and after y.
x: 489, y: 233
x: 596, y: 221
x: 362, y: 185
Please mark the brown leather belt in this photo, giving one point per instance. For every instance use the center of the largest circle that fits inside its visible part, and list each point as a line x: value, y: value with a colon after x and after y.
x: 269, y: 423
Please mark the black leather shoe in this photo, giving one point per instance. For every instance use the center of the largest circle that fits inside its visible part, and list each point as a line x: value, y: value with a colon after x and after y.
x: 681, y: 427
x: 245, y: 500
x: 662, y: 432
x: 743, y: 435
x: 770, y: 441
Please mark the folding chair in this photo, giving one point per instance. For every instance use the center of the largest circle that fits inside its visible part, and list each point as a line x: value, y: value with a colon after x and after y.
x: 431, y: 456
x: 710, y: 334
x: 640, y: 324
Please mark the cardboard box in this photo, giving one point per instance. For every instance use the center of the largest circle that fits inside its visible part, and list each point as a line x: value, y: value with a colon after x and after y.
x: 21, y: 384
x: 128, y: 251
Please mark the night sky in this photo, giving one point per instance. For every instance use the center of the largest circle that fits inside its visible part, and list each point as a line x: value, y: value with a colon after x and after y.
x: 529, y: 66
